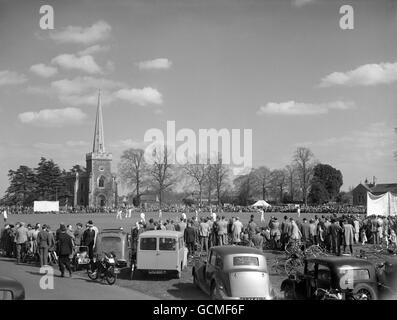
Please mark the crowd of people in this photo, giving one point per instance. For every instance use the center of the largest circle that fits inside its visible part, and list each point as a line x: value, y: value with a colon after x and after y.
x: 179, y: 208
x: 203, y: 231
x: 332, y: 232
x: 43, y: 244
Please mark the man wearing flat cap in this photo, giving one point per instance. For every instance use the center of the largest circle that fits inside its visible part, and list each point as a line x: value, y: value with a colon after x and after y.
x: 65, y: 250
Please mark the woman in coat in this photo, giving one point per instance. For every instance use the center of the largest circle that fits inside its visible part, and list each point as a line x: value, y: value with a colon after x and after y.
x: 348, y: 232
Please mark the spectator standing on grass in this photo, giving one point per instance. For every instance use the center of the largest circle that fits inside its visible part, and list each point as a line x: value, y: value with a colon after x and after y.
x: 43, y: 242
x: 379, y: 230
x: 312, y: 232
x: 295, y: 233
x: 204, y: 234
x: 251, y: 227
x: 52, y: 245
x: 5, y: 215
x: 21, y: 238
x: 374, y: 230
x: 356, y: 226
x: 89, y: 239
x: 335, y: 231
x: 190, y: 238
x: 64, y: 250
x: 119, y: 214
x: 78, y: 234
x: 275, y: 232
x: 327, y: 236
x: 182, y: 225
x: 236, y: 229
x: 305, y: 230
x: 348, y: 235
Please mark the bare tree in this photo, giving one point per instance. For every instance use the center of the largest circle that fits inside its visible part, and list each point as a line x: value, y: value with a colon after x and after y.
x: 291, y: 180
x: 261, y: 177
x: 133, y: 170
x: 220, y: 173
x: 161, y: 171
x: 303, y: 159
x: 198, y: 172
x: 278, y: 182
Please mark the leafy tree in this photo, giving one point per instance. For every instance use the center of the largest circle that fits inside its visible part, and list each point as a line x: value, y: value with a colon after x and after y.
x: 220, y: 174
x: 330, y: 179
x: 244, y: 186
x: 21, y: 190
x: 318, y: 193
x: 50, y: 180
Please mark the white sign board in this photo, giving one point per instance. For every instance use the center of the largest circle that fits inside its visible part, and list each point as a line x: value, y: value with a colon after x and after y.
x: 46, y: 206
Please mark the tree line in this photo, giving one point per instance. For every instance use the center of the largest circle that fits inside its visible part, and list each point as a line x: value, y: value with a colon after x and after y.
x: 304, y: 180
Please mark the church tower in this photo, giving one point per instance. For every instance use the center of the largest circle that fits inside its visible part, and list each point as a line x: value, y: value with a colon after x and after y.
x: 101, y: 182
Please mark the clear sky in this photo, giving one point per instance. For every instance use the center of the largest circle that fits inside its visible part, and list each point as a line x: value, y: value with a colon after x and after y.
x: 284, y: 69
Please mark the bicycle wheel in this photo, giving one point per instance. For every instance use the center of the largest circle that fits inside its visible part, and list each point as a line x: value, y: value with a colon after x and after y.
x: 293, y: 266
x: 277, y: 267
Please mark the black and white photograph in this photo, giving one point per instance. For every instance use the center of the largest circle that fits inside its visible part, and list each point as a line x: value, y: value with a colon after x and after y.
x: 179, y: 150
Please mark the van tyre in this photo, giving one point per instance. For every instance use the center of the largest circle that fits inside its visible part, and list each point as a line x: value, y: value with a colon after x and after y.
x: 364, y: 288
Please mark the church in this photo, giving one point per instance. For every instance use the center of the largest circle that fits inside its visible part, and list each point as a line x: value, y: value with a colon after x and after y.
x: 95, y: 186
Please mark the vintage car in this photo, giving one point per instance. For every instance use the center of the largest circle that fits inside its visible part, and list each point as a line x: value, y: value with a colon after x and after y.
x: 11, y: 289
x: 116, y: 241
x: 347, y: 275
x: 159, y: 251
x: 233, y: 272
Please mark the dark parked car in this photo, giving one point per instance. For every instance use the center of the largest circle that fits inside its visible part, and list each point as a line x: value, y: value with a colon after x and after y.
x: 116, y: 241
x: 344, y: 274
x: 11, y: 289
x: 234, y: 272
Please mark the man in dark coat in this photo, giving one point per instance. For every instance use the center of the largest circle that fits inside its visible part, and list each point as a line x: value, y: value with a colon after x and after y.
x: 190, y: 238
x: 65, y: 250
x: 89, y: 239
x: 335, y: 231
x: 43, y: 243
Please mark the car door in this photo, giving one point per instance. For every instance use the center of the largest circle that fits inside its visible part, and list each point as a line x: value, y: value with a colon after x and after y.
x: 147, y: 253
x: 210, y: 268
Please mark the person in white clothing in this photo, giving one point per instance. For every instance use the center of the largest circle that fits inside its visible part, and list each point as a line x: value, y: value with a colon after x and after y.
x: 5, y: 216
x: 119, y: 212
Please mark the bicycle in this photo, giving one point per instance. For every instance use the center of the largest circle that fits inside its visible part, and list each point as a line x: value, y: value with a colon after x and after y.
x: 277, y: 267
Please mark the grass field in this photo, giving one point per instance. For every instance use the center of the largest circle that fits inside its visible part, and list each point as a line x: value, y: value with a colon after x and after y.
x: 103, y: 221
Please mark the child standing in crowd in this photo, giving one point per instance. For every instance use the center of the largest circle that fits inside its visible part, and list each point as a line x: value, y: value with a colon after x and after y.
x: 364, y: 239
x: 393, y: 239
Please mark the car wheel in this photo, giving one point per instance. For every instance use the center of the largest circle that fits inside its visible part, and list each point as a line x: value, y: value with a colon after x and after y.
x: 364, y: 292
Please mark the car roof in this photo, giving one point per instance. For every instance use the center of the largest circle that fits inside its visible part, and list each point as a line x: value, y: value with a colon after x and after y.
x: 339, y: 261
x: 112, y: 230
x: 225, y: 250
x: 165, y: 233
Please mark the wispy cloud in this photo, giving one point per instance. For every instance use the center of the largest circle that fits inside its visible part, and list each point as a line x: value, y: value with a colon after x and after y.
x: 141, y: 97
x: 11, y: 78
x: 84, y: 63
x: 53, y: 117
x: 93, y: 50
x: 365, y: 75
x: 301, y: 3
x: 292, y: 108
x: 43, y: 70
x: 99, y: 31
x: 160, y: 63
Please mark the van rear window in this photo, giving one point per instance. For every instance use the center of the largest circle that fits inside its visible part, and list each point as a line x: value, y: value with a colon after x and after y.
x: 148, y: 243
x: 245, y: 261
x: 167, y: 244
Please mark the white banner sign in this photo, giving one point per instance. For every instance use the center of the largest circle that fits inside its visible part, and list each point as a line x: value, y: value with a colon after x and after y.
x: 46, y: 206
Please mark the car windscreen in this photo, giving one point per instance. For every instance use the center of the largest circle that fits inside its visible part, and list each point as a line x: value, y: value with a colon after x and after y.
x: 245, y: 261
x: 109, y: 244
x: 167, y: 244
x: 148, y: 243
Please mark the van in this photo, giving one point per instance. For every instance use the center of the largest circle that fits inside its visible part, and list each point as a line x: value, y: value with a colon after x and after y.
x: 116, y: 241
x: 160, y: 250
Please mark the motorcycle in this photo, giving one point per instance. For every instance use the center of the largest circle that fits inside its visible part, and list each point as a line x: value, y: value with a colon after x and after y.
x: 104, y: 268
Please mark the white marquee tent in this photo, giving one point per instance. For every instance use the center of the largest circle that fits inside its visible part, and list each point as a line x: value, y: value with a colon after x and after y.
x: 261, y: 203
x: 384, y: 204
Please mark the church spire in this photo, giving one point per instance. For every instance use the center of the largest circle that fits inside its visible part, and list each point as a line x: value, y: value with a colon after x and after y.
x: 99, y: 137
